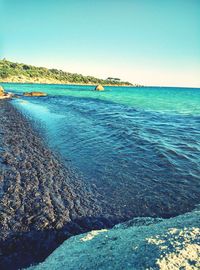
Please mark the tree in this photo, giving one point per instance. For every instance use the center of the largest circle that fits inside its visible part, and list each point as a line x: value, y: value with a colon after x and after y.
x: 26, y: 67
x: 4, y: 74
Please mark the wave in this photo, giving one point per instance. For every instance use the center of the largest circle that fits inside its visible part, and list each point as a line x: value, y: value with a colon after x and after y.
x: 144, y: 163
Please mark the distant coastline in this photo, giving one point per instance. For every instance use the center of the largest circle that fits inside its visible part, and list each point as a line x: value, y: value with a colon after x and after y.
x: 64, y: 83
x: 11, y: 72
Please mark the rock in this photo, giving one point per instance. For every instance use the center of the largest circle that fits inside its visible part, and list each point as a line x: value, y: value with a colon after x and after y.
x: 3, y: 94
x: 1, y: 90
x: 35, y: 94
x: 156, y: 244
x: 99, y: 87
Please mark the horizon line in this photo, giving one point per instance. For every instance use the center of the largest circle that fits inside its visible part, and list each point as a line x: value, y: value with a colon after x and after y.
x: 61, y: 69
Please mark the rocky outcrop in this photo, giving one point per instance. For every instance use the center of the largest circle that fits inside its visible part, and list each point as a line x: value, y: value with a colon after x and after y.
x: 1, y: 90
x: 35, y: 94
x: 142, y: 243
x: 3, y: 94
x: 99, y: 88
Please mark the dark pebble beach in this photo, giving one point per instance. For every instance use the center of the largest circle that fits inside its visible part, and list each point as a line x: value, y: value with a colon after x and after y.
x: 42, y: 203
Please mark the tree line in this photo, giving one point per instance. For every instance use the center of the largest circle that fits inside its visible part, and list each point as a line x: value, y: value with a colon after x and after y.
x: 10, y: 69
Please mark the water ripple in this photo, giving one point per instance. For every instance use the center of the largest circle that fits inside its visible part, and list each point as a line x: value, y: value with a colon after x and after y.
x: 144, y: 163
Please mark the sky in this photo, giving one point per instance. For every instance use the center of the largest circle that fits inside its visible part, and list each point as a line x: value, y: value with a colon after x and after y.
x: 149, y: 42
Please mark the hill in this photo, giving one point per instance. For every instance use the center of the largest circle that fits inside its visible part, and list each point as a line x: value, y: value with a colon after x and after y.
x: 15, y: 72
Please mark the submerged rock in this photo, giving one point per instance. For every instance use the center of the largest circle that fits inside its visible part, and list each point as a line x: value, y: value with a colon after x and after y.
x: 99, y: 88
x: 142, y: 243
x: 35, y: 94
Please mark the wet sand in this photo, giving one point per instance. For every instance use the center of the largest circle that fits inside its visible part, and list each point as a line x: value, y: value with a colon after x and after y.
x: 42, y: 202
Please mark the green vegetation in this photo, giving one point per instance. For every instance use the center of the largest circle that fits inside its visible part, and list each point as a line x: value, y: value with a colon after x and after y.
x: 15, y: 72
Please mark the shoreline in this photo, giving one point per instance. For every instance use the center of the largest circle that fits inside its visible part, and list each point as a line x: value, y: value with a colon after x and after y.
x: 64, y: 83
x: 42, y: 203
x: 109, y: 85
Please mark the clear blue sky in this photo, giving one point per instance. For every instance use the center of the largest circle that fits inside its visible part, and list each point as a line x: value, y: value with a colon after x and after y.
x: 152, y: 42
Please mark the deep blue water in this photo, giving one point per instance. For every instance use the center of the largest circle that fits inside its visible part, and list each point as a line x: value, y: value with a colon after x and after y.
x: 139, y: 147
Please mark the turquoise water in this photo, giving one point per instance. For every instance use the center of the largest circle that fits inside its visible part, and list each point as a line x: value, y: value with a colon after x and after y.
x: 139, y: 147
x: 161, y: 99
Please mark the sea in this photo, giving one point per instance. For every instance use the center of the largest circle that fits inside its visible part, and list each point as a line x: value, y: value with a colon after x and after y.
x: 139, y: 147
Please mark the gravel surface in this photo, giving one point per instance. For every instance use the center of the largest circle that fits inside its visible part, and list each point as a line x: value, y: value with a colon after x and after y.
x: 42, y: 203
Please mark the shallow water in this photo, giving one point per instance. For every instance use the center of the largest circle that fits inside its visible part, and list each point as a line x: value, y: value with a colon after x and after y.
x: 139, y: 147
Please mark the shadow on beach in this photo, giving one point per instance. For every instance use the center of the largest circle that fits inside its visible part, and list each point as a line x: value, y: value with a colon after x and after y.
x: 24, y: 249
